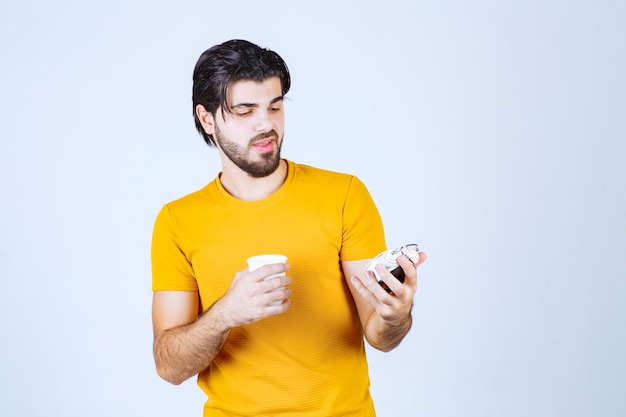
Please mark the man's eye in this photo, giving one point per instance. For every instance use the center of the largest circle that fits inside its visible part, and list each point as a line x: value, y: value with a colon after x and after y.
x: 275, y: 109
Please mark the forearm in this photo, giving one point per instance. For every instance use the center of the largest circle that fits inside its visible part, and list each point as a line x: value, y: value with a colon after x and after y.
x: 184, y: 351
x: 386, y: 335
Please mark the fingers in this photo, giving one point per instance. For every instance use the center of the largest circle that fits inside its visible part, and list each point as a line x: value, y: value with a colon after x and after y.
x: 422, y: 258
x: 390, y: 287
x: 368, y: 287
x: 273, y: 290
x: 410, y: 274
x: 393, y: 285
x: 280, y: 297
x: 255, y: 295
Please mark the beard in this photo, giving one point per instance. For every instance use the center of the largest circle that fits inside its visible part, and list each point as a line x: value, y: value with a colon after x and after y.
x: 240, y: 156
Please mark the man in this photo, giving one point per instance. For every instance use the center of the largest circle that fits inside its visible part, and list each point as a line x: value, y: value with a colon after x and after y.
x: 258, y: 348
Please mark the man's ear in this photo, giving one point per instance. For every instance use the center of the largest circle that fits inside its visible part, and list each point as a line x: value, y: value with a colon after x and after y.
x: 206, y: 119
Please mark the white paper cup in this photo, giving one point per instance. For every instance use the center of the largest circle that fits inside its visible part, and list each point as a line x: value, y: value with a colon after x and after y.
x: 258, y: 261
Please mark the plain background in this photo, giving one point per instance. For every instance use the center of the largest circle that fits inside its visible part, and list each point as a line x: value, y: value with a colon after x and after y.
x: 492, y: 133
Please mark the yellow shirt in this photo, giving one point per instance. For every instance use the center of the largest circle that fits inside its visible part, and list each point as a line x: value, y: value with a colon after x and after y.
x: 309, y: 361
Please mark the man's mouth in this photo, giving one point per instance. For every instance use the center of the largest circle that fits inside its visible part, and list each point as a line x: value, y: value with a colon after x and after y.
x: 264, y: 145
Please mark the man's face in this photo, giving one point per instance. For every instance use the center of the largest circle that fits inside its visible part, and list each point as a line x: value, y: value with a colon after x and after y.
x: 251, y: 135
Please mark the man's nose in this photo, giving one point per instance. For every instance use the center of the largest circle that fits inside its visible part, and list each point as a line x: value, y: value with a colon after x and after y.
x: 264, y: 122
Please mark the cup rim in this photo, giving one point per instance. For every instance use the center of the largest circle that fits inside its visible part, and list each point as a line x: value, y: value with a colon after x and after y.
x: 268, y: 258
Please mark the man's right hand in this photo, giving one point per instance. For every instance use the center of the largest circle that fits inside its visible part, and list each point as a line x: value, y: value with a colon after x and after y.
x: 250, y: 296
x: 185, y: 343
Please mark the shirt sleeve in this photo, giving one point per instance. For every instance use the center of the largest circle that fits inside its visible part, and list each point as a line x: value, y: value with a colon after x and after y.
x: 363, y: 233
x: 171, y: 271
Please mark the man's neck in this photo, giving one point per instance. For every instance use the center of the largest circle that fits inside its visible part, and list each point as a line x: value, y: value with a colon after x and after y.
x: 244, y: 187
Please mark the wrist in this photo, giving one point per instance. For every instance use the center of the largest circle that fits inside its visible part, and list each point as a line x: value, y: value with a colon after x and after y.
x: 217, y: 318
x: 396, y: 320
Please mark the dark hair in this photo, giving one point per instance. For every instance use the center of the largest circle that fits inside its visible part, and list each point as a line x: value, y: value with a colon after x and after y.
x: 232, y: 61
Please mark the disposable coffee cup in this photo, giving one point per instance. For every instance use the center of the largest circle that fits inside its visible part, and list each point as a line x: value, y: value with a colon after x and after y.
x: 258, y: 261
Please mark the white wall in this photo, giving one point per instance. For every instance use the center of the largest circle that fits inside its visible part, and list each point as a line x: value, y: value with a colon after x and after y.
x: 491, y: 133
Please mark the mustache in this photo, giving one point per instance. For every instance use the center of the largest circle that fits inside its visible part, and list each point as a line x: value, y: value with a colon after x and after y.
x: 263, y: 136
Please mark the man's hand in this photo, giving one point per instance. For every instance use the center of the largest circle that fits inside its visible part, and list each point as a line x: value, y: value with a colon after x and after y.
x: 397, y: 304
x: 185, y: 343
x: 250, y: 297
x: 385, y: 317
